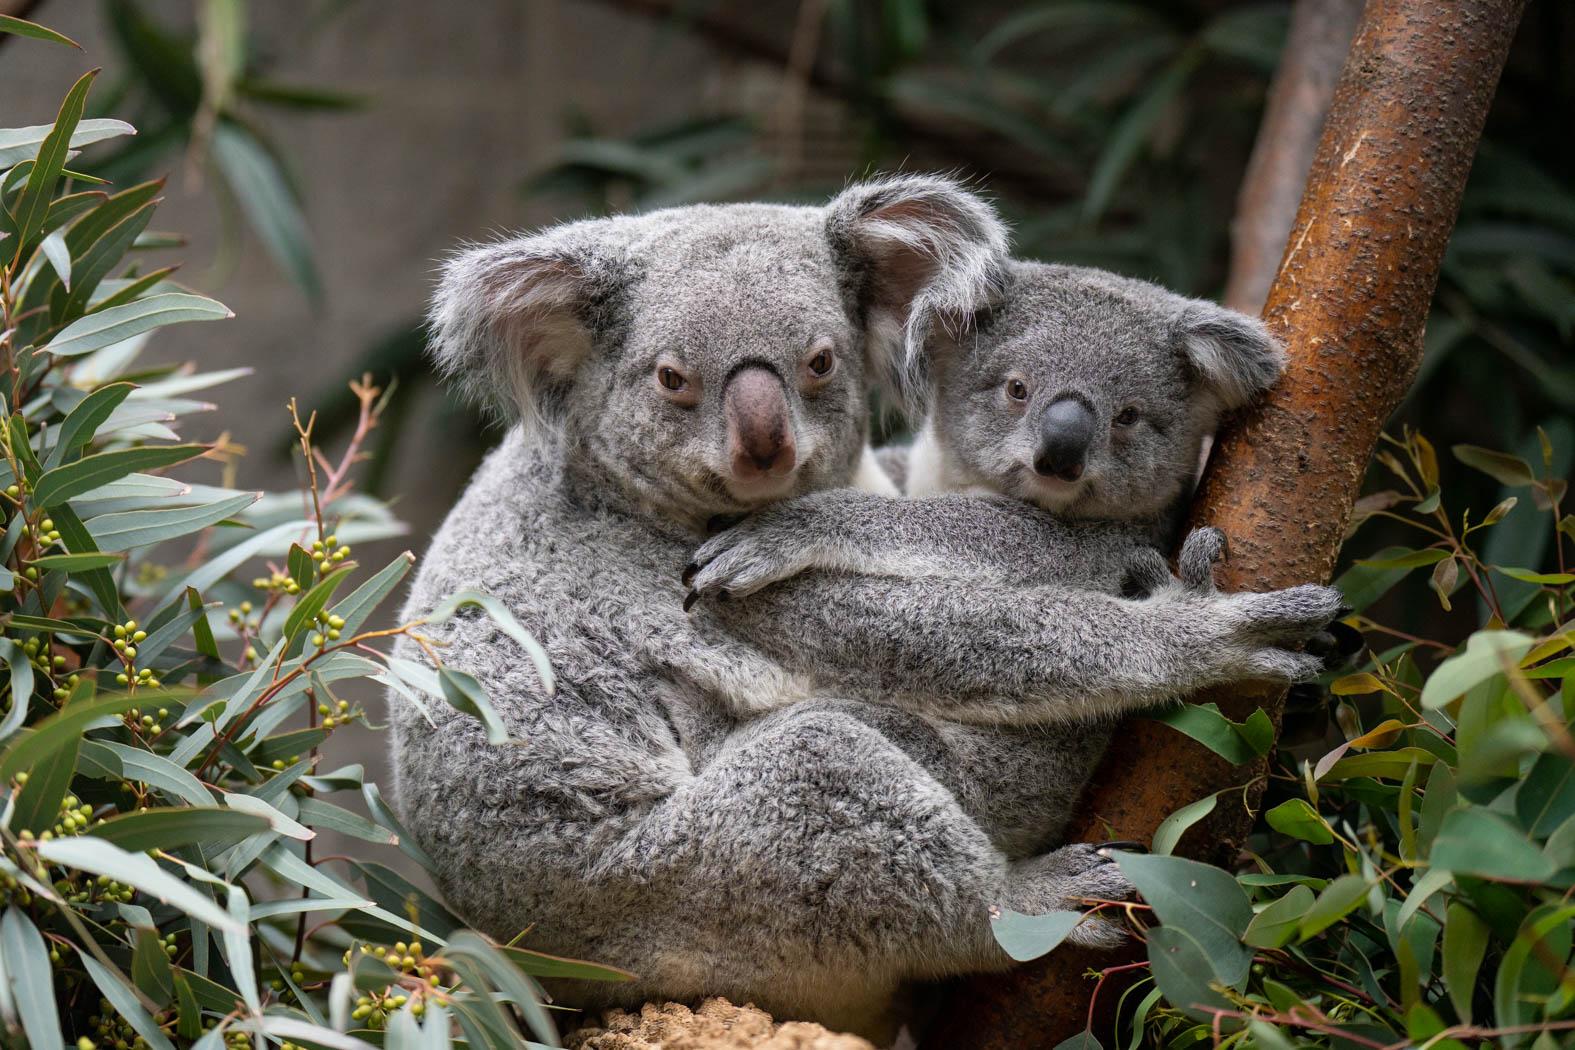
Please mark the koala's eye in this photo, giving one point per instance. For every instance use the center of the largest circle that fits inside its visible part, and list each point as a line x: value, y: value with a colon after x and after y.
x: 1126, y: 417
x: 671, y: 379
x: 819, y: 361
x: 1017, y: 390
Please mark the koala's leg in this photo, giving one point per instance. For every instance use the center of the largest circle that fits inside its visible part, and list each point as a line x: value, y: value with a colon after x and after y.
x: 811, y: 867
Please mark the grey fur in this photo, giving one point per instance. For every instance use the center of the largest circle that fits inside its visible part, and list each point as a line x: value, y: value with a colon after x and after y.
x: 970, y: 576
x: 684, y: 805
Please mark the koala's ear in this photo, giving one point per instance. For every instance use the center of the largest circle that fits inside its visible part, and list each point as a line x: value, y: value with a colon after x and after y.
x: 509, y: 323
x: 917, y: 252
x: 1233, y: 356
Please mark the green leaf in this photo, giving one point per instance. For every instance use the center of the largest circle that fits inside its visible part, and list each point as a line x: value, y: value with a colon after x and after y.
x: 1337, y: 900
x: 1276, y: 925
x: 83, y: 421
x: 106, y: 327
x: 90, y: 472
x: 21, y: 27
x: 1486, y: 654
x: 506, y: 622
x: 139, y: 870
x: 1501, y: 466
x: 30, y: 974
x: 172, y: 827
x: 121, y: 760
x: 1174, y: 826
x: 1237, y: 743
x: 312, y: 602
x: 1547, y: 579
x: 1546, y: 798
x: 98, y: 260
x: 1296, y: 818
x: 301, y: 566
x: 1474, y: 841
x: 539, y: 964
x: 142, y: 528
x: 1525, y: 981
x: 38, y: 803
x: 265, y: 196
x: 465, y: 694
x: 33, y: 203
x: 21, y: 667
x: 1025, y: 937
x: 75, y: 562
x: 1200, y: 899
x: 1465, y: 944
x: 1182, y: 971
x: 21, y: 145
x: 151, y: 972
x: 317, y: 813
x: 360, y: 603
x: 61, y: 728
x: 514, y: 986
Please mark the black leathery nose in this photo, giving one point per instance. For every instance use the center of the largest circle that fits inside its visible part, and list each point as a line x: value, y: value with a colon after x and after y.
x: 1065, y: 431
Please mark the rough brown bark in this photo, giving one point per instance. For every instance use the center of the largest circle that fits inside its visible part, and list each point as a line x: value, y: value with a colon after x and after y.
x: 1350, y: 301
x: 1299, y: 96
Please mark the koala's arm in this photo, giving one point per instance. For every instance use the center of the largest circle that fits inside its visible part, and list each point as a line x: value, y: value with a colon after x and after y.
x: 990, y: 654
x: 982, y: 652
x: 963, y: 537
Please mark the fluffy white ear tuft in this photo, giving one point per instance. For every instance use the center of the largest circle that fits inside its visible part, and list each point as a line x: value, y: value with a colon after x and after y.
x: 918, y: 252
x: 1233, y: 355
x: 509, y: 325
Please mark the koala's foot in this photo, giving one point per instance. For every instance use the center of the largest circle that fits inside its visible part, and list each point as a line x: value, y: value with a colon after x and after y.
x: 1147, y: 573
x: 1063, y: 879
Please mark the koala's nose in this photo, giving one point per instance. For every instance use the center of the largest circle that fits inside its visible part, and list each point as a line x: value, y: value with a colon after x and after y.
x: 759, y: 425
x: 1065, y: 431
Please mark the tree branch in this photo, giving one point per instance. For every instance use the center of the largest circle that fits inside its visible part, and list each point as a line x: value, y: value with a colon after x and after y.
x: 1350, y: 301
x: 1299, y: 97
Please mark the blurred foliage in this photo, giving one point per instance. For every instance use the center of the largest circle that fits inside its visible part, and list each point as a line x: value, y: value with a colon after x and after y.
x: 1114, y: 134
x: 1409, y: 880
x: 199, y: 98
x: 161, y: 774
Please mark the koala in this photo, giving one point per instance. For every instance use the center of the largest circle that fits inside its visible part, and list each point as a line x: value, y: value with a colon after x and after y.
x: 1085, y: 394
x: 686, y: 804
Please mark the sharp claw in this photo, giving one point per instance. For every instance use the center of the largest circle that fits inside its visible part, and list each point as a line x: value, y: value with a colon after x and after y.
x: 723, y: 595
x: 690, y: 572
x: 1348, y: 641
x: 690, y: 599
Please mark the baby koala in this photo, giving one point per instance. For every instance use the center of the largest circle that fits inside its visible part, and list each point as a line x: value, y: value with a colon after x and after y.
x: 1059, y: 448
x: 1085, y: 394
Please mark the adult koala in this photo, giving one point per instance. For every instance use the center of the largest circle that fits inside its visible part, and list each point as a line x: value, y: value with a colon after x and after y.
x: 668, y: 368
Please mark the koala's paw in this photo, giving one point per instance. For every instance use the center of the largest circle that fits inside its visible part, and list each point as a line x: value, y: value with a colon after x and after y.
x: 1202, y: 551
x: 1283, y: 636
x: 1065, y: 879
x: 1145, y: 574
x: 742, y: 560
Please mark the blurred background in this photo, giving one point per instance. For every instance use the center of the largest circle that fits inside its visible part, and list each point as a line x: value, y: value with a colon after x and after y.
x: 323, y: 154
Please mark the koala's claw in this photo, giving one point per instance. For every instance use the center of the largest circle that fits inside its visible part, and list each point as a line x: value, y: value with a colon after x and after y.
x: 690, y: 571
x: 690, y: 597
